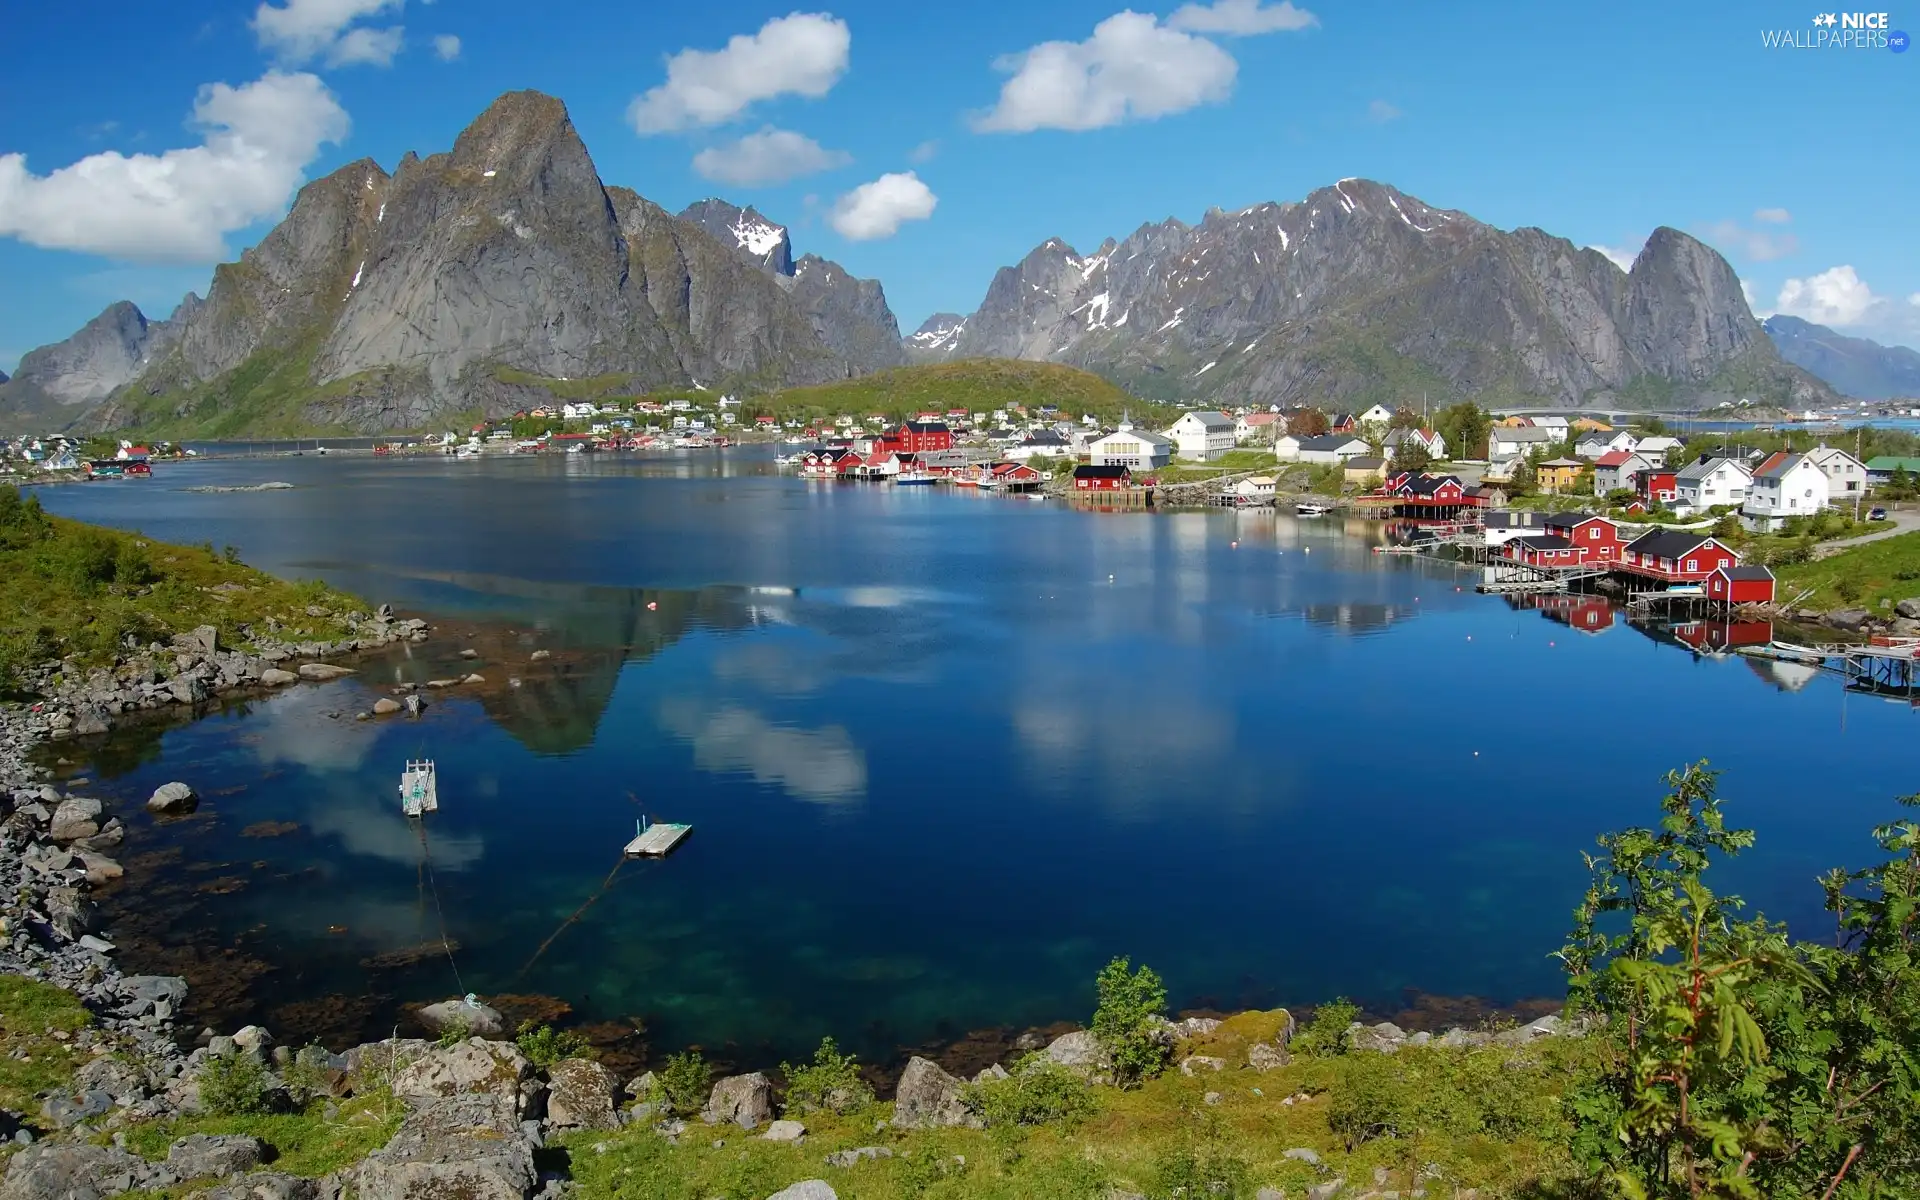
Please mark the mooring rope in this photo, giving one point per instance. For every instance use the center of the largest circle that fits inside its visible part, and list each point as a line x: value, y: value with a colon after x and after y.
x: 433, y: 885
x: 605, y: 885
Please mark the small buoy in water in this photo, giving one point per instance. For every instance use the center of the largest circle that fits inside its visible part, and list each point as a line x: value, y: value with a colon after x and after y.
x: 1306, y: 549
x: 1469, y: 637
x: 651, y: 605
x: 1233, y: 545
x: 1476, y: 754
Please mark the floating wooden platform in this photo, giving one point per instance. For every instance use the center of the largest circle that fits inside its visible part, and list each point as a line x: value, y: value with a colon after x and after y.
x: 658, y: 840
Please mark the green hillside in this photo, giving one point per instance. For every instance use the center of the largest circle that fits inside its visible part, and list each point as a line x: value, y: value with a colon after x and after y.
x: 977, y: 385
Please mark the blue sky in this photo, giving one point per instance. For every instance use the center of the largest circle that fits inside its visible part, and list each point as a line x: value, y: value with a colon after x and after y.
x: 1594, y: 122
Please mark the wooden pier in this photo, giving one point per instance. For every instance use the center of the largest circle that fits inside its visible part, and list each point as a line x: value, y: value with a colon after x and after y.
x: 657, y: 840
x: 1884, y: 667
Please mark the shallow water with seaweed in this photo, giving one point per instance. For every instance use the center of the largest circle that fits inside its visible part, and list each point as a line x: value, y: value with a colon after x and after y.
x: 943, y: 754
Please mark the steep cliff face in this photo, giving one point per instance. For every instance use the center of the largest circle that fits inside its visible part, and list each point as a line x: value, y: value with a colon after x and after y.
x: 1363, y: 292
x: 465, y: 278
x: 57, y: 384
x: 850, y: 316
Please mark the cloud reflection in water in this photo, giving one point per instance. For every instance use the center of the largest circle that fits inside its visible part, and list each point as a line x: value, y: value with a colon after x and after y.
x: 822, y: 765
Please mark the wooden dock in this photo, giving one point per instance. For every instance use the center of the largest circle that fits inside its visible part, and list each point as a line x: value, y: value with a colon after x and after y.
x: 658, y: 840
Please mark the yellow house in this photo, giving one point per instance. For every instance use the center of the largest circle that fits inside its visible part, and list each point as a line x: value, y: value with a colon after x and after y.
x: 1515, y: 422
x: 1591, y: 425
x: 1558, y: 474
x: 1366, y: 470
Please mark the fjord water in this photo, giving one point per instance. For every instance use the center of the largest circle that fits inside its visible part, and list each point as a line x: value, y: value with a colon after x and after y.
x: 944, y: 755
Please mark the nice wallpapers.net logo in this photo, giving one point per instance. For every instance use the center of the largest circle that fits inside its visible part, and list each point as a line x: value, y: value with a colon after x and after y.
x: 1839, y: 31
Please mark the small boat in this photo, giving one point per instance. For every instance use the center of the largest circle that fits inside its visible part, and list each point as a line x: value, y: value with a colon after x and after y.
x: 419, y: 793
x: 786, y: 460
x: 917, y: 479
x: 1312, y: 508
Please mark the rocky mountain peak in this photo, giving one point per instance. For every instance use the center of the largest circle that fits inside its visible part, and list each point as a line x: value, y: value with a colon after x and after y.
x: 937, y: 338
x: 762, y: 242
x: 513, y: 127
x: 53, y: 385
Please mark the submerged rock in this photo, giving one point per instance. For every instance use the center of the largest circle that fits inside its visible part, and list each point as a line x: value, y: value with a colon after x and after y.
x: 478, y: 1020
x: 320, y: 672
x: 173, y: 798
x: 275, y: 677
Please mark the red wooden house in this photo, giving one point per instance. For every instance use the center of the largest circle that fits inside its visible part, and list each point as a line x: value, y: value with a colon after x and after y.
x: 918, y: 437
x: 1657, y: 486
x: 1673, y: 556
x: 1344, y: 423
x: 1595, y: 538
x: 1087, y: 477
x: 1542, y: 550
x: 1014, y: 474
x: 1741, y: 585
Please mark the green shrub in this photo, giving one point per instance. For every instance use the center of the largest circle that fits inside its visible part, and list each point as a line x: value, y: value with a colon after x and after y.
x: 1124, y: 1021
x: 682, y: 1085
x: 308, y: 1076
x: 1326, y: 1035
x: 831, y: 1083
x: 1209, y: 1170
x: 458, y: 1029
x: 1038, y: 1091
x: 235, y: 1084
x: 544, y: 1045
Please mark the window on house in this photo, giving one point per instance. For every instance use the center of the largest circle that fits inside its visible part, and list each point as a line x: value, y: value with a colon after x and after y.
x: 1693, y: 564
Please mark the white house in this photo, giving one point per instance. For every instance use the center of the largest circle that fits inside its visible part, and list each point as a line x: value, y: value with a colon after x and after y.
x: 1655, y: 449
x: 1555, y: 423
x: 1846, y: 475
x: 1517, y: 441
x: 1714, y: 481
x: 1256, y: 428
x: 1430, y: 440
x: 1615, y: 471
x: 577, y: 412
x: 1257, y: 489
x: 1786, y: 485
x: 1202, y: 436
x: 1504, y: 525
x: 1045, y: 444
x: 1597, y: 444
x: 1328, y: 448
x: 1135, y: 449
x: 1379, y: 414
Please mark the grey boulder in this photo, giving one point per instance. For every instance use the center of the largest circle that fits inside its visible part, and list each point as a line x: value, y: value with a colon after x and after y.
x: 214, y: 1156
x: 71, y: 1171
x: 1909, y: 608
x: 1079, y: 1050
x: 928, y: 1097
x: 477, y: 1019
x: 275, y: 677
x: 471, y: 1068
x: 77, y: 817
x: 744, y: 1100
x: 466, y: 1146
x: 321, y: 672
x: 807, y: 1189
x: 582, y: 1094
x: 173, y: 798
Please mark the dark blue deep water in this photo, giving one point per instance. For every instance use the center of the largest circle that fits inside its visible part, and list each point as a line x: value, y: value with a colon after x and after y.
x: 945, y: 755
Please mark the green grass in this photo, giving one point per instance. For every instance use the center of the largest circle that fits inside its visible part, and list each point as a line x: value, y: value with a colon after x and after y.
x: 1488, y: 1118
x: 1230, y: 463
x: 32, y: 1060
x: 977, y: 385
x: 1867, y: 576
x: 308, y: 1144
x: 72, y: 589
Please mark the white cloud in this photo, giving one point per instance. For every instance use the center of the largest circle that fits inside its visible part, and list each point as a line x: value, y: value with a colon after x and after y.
x: 372, y: 47
x: 1833, y: 297
x: 1382, y: 111
x: 1753, y: 300
x: 770, y: 156
x: 1755, y: 245
x: 304, y: 30
x: 1622, y: 256
x: 1241, y: 18
x: 178, y: 206
x: 877, y: 209
x: 1772, y: 216
x: 924, y: 152
x: 802, y: 54
x: 1132, y: 67
x: 1840, y: 298
x: 446, y: 47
